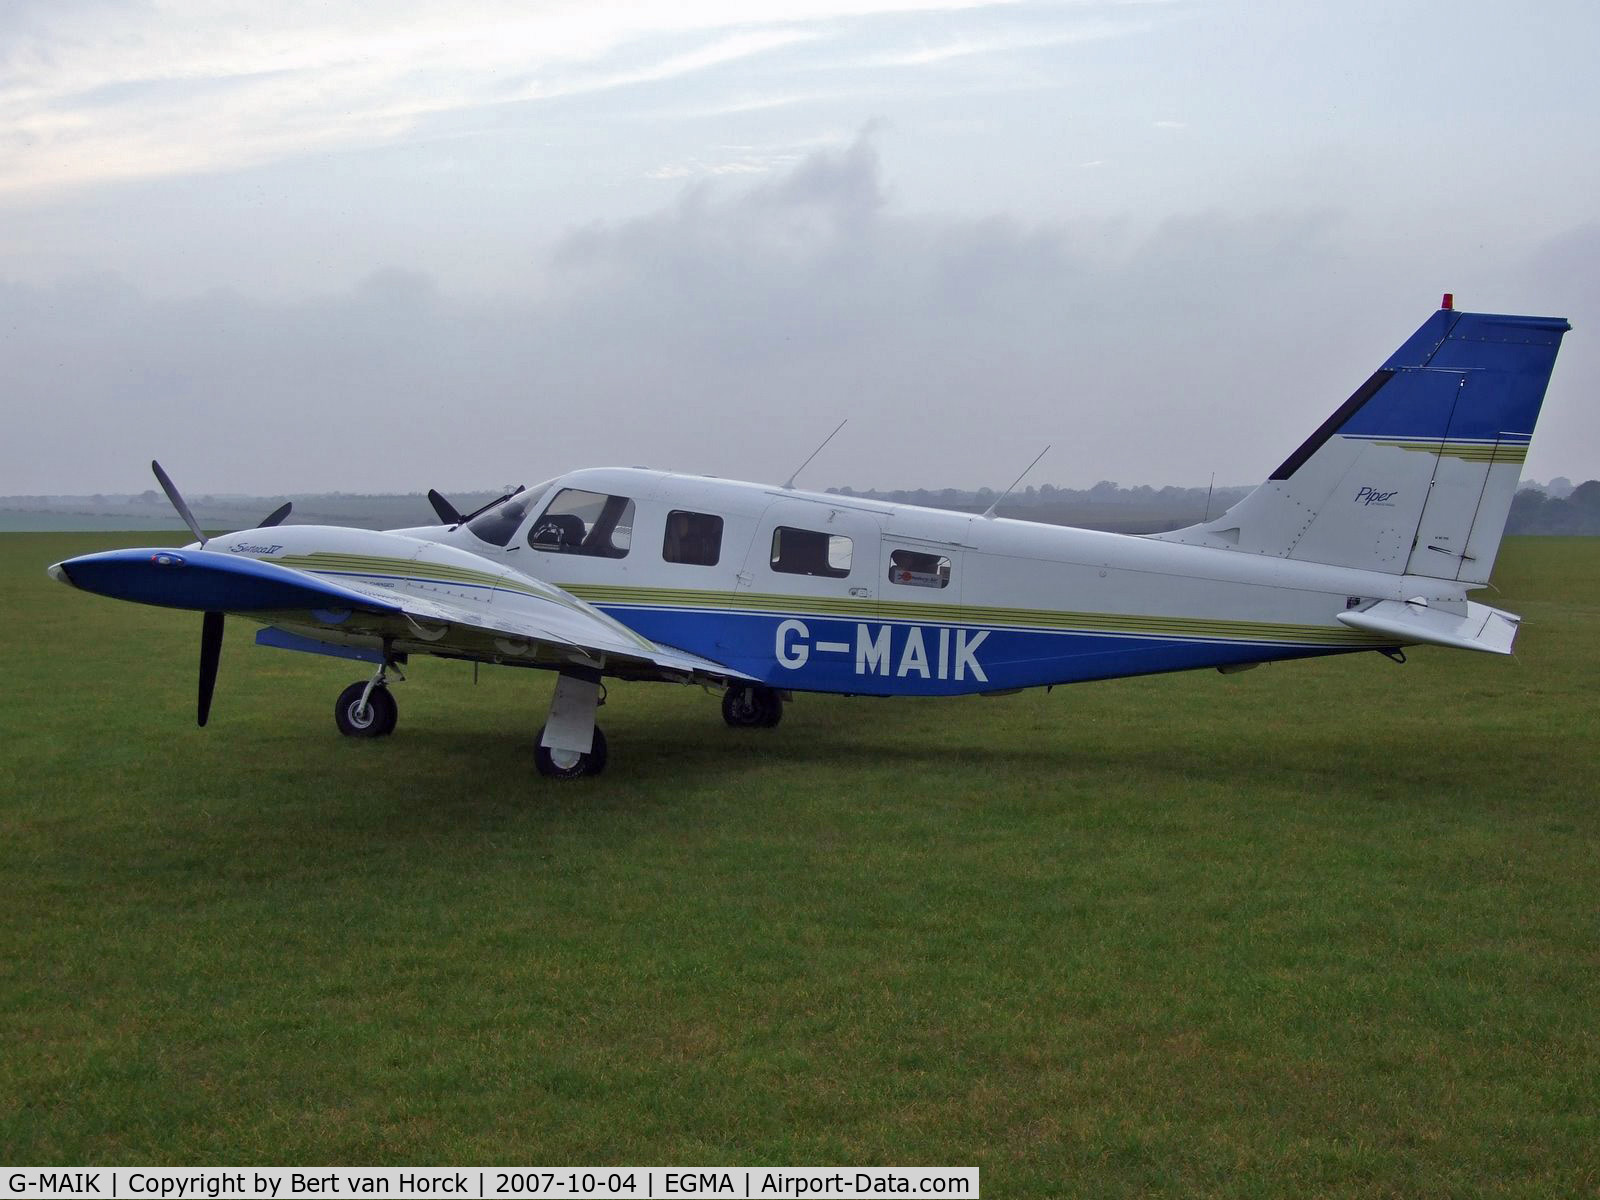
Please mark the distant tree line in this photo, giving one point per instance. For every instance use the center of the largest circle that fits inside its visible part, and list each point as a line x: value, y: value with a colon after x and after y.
x: 1556, y: 508
x: 1106, y: 505
x: 1553, y: 508
x: 1536, y: 511
x: 1104, y: 492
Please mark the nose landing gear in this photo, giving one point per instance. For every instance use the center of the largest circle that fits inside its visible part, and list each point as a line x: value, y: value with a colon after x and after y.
x: 368, y: 710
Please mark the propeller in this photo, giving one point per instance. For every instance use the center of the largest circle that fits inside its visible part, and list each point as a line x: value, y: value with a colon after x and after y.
x: 210, y: 654
x: 211, y: 622
x: 171, y: 489
x: 447, y: 511
x: 450, y: 515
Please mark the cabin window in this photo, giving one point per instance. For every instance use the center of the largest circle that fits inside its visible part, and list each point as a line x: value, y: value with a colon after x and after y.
x: 915, y: 569
x: 694, y: 538
x: 496, y: 525
x: 808, y: 552
x: 588, y: 523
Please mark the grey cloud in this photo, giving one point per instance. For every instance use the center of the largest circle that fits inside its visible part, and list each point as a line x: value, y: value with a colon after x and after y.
x: 727, y: 333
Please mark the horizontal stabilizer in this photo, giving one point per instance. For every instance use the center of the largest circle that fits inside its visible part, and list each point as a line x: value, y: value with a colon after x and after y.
x: 209, y: 581
x: 1411, y: 621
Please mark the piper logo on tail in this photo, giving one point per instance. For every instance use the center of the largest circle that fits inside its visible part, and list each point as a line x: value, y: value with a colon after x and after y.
x: 1369, y: 495
x: 897, y: 651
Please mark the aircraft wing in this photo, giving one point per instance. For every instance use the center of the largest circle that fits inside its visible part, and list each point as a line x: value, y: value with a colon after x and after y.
x: 525, y: 622
x: 553, y: 629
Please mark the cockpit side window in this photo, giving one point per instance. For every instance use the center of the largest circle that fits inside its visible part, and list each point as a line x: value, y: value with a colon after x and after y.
x: 587, y: 523
x: 691, y: 537
x: 915, y: 569
x: 810, y: 552
x: 497, y: 524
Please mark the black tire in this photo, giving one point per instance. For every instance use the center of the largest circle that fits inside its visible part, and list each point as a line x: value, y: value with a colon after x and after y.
x: 377, y: 721
x: 774, y: 708
x: 752, y: 707
x: 591, y: 763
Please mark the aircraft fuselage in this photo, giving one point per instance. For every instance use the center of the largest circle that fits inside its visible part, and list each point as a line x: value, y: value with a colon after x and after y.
x: 998, y: 604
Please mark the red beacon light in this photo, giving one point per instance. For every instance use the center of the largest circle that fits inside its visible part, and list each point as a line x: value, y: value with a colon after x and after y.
x: 1449, y: 301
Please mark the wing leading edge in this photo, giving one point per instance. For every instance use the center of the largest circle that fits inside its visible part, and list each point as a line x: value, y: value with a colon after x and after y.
x: 534, y: 624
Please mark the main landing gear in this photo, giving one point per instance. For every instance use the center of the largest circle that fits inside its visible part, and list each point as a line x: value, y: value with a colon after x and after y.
x: 752, y: 707
x: 571, y: 745
x: 570, y: 764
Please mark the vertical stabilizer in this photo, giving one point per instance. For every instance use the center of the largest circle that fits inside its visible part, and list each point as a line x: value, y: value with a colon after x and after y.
x: 1414, y: 474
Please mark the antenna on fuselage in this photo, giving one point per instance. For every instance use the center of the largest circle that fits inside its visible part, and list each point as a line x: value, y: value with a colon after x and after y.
x: 988, y: 513
x: 814, y: 453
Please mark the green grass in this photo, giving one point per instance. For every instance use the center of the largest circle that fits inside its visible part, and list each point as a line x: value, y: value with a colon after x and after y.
x: 1325, y: 928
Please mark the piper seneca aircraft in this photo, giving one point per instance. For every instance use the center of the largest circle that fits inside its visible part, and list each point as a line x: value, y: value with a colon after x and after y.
x: 1368, y: 537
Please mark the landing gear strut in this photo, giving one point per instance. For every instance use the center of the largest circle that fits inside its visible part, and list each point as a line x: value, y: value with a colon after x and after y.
x: 752, y: 707
x: 368, y: 710
x: 571, y: 745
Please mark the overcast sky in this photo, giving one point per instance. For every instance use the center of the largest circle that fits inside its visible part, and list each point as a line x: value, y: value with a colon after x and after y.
x: 334, y: 246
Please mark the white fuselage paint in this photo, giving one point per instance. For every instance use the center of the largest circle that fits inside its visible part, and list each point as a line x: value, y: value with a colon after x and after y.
x: 1000, y: 567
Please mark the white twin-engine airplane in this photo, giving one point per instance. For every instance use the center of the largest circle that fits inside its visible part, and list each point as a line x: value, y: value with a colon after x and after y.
x: 1368, y: 537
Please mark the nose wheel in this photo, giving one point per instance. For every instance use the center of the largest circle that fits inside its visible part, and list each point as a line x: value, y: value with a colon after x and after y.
x: 752, y: 707
x: 366, y: 711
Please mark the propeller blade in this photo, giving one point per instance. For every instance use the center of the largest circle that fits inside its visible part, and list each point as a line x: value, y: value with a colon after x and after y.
x: 210, y: 652
x: 447, y: 511
x: 171, y: 490
x: 277, y: 515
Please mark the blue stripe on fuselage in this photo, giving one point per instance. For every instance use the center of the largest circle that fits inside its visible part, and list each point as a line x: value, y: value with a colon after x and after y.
x: 873, y: 657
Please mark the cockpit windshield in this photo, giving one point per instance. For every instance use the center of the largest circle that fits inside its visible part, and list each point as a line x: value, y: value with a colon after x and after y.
x: 498, y: 522
x: 496, y: 525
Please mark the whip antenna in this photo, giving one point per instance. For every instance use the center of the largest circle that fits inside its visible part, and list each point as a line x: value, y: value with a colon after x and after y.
x: 988, y: 513
x: 814, y: 453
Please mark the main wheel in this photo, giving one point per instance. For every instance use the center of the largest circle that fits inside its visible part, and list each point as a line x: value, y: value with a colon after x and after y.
x: 377, y: 719
x: 752, y: 707
x: 564, y: 764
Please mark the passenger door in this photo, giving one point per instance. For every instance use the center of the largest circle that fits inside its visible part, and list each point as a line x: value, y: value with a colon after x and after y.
x: 810, y: 551
x: 808, y: 586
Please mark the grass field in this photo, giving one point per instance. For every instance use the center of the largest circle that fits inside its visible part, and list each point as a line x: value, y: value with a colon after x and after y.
x: 1325, y: 928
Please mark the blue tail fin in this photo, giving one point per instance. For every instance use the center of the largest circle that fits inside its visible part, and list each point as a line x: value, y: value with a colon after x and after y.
x: 1414, y: 474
